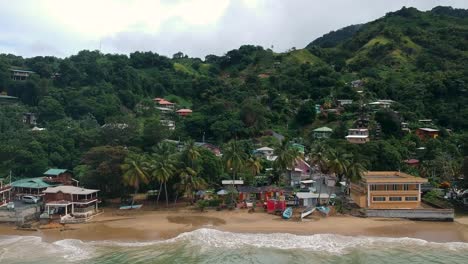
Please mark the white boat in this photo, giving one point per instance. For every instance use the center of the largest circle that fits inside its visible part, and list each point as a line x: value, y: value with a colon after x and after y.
x: 307, y: 211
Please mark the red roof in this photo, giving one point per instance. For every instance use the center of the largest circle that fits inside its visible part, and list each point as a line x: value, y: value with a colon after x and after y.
x: 411, y: 161
x: 184, y: 111
x: 157, y: 99
x: 164, y: 102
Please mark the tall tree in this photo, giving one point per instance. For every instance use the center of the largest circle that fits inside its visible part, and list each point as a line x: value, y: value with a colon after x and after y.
x: 286, y: 158
x: 162, y: 166
x: 234, y: 157
x: 134, y: 172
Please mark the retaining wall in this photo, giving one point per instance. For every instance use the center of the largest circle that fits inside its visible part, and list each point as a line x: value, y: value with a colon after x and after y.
x: 20, y: 215
x: 416, y: 214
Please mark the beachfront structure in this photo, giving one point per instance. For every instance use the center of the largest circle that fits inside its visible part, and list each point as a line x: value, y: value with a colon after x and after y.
x: 312, y: 199
x: 300, y: 172
x: 426, y: 133
x: 184, y: 112
x: 30, y: 186
x: 5, y: 192
x: 20, y: 75
x: 65, y: 200
x: 59, y: 177
x: 322, y: 132
x: 358, y: 135
x: 387, y: 190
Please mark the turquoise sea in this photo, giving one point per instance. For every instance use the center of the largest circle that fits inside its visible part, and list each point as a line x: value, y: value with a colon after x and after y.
x: 212, y: 246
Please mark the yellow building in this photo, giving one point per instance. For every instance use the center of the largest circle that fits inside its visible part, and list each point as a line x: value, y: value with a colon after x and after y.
x: 387, y: 190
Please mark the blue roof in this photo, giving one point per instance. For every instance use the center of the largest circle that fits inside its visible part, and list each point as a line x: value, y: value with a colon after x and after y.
x: 55, y: 172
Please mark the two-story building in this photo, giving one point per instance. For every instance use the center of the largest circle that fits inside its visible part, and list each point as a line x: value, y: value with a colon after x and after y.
x: 64, y: 200
x: 322, y: 132
x: 387, y: 190
x: 20, y: 75
x: 59, y: 177
x: 266, y: 152
x: 358, y: 135
x: 5, y: 192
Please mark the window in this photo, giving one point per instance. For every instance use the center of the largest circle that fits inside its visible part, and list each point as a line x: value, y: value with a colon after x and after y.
x: 373, y: 187
x: 405, y: 187
x: 411, y: 198
x: 395, y: 199
x: 394, y: 187
x: 378, y: 198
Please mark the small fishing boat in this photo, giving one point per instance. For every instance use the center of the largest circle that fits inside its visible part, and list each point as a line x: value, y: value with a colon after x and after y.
x: 308, y: 211
x: 288, y: 213
x: 324, y: 209
x: 128, y: 207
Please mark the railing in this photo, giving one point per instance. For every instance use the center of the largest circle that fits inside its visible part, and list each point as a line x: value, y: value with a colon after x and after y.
x: 84, y: 210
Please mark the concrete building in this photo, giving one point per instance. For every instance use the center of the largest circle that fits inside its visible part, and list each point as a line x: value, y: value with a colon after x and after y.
x: 358, y: 135
x: 387, y: 190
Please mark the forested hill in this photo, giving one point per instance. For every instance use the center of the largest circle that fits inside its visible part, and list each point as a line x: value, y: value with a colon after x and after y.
x: 418, y: 59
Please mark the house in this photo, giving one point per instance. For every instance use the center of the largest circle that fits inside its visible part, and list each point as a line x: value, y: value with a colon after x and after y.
x: 412, y: 162
x: 184, y: 112
x: 405, y: 127
x: 322, y: 132
x: 427, y: 122
x: 30, y: 186
x: 20, y: 75
x: 214, y: 149
x: 387, y: 190
x: 300, y: 148
x: 300, y: 172
x: 312, y: 199
x: 59, y: 177
x: 357, y: 83
x: 343, y: 102
x: 318, y: 109
x: 266, y: 152
x: 6, y: 99
x: 29, y: 119
x: 426, y: 133
x: 380, y: 104
x: 358, y: 135
x: 166, y: 104
x: 64, y: 200
x: 168, y: 123
x: 5, y: 192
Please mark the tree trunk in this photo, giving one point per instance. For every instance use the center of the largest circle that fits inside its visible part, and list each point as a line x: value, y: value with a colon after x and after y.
x: 165, y: 191
x: 159, y: 193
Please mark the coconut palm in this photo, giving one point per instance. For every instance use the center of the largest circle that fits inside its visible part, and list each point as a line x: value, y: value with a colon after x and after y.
x: 163, y: 166
x: 286, y: 157
x: 234, y: 157
x: 318, y: 156
x: 337, y: 163
x: 191, y: 153
x: 253, y: 165
x: 189, y: 182
x: 354, y: 172
x: 134, y: 171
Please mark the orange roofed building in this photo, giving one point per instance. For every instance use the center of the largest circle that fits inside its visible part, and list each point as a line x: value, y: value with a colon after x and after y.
x: 387, y: 190
x: 426, y: 133
x: 184, y: 112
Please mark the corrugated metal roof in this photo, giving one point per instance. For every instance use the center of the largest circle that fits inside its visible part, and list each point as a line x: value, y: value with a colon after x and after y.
x: 34, y: 183
x: 323, y: 129
x: 55, y: 172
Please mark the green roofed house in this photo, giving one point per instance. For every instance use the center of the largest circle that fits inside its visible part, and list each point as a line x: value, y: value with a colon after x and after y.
x: 30, y: 186
x: 299, y: 147
x: 60, y: 176
x: 322, y: 132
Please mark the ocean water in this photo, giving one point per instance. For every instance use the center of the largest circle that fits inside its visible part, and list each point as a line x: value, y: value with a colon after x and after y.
x: 212, y: 246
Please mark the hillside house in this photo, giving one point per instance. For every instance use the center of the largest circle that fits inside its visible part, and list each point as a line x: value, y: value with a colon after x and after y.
x: 20, y: 75
x: 343, y: 102
x: 166, y: 104
x: 357, y: 83
x: 214, y: 149
x: 168, y: 123
x: 30, y: 119
x: 426, y: 133
x: 266, y: 153
x: 322, y: 132
x: 6, y: 99
x: 358, y: 135
x: 59, y: 177
x: 300, y: 172
x: 387, y: 190
x: 184, y: 112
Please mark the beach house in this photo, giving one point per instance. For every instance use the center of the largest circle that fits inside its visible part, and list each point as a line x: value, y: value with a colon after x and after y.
x: 70, y: 200
x: 5, y: 192
x: 387, y: 190
x: 358, y: 135
x: 59, y: 177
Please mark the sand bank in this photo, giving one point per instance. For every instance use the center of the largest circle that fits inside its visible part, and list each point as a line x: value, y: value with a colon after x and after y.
x: 163, y: 224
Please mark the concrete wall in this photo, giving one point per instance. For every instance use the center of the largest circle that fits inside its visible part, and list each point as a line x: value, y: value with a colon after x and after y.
x: 419, y: 214
x: 20, y: 215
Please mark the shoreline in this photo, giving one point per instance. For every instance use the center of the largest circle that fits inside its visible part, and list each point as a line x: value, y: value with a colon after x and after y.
x: 146, y: 225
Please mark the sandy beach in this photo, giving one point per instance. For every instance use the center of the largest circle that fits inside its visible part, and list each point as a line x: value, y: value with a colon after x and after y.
x: 162, y: 224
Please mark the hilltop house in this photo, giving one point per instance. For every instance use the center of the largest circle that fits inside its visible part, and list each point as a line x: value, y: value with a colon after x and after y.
x: 426, y: 133
x: 387, y: 190
x: 358, y: 135
x: 20, y: 75
x: 322, y: 132
x: 65, y: 200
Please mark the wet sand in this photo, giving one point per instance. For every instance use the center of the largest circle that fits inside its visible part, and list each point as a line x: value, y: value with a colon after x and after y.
x: 156, y: 225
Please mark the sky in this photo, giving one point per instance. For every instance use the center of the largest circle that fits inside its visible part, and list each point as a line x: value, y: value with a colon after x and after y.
x: 195, y: 27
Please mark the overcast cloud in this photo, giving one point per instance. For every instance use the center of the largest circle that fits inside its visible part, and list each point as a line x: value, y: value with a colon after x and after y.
x: 195, y: 27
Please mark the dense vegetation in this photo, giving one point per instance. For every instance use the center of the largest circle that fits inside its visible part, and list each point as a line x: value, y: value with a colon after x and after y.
x: 417, y: 59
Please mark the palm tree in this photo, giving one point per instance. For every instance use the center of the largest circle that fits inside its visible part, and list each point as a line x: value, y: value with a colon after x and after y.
x: 189, y: 182
x: 234, y: 157
x: 254, y: 165
x: 337, y: 162
x: 318, y: 156
x: 286, y: 157
x: 354, y: 172
x: 134, y: 171
x: 191, y: 153
x: 163, y: 166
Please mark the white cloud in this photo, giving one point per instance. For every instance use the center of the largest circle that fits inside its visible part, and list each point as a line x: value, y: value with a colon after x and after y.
x: 196, y: 27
